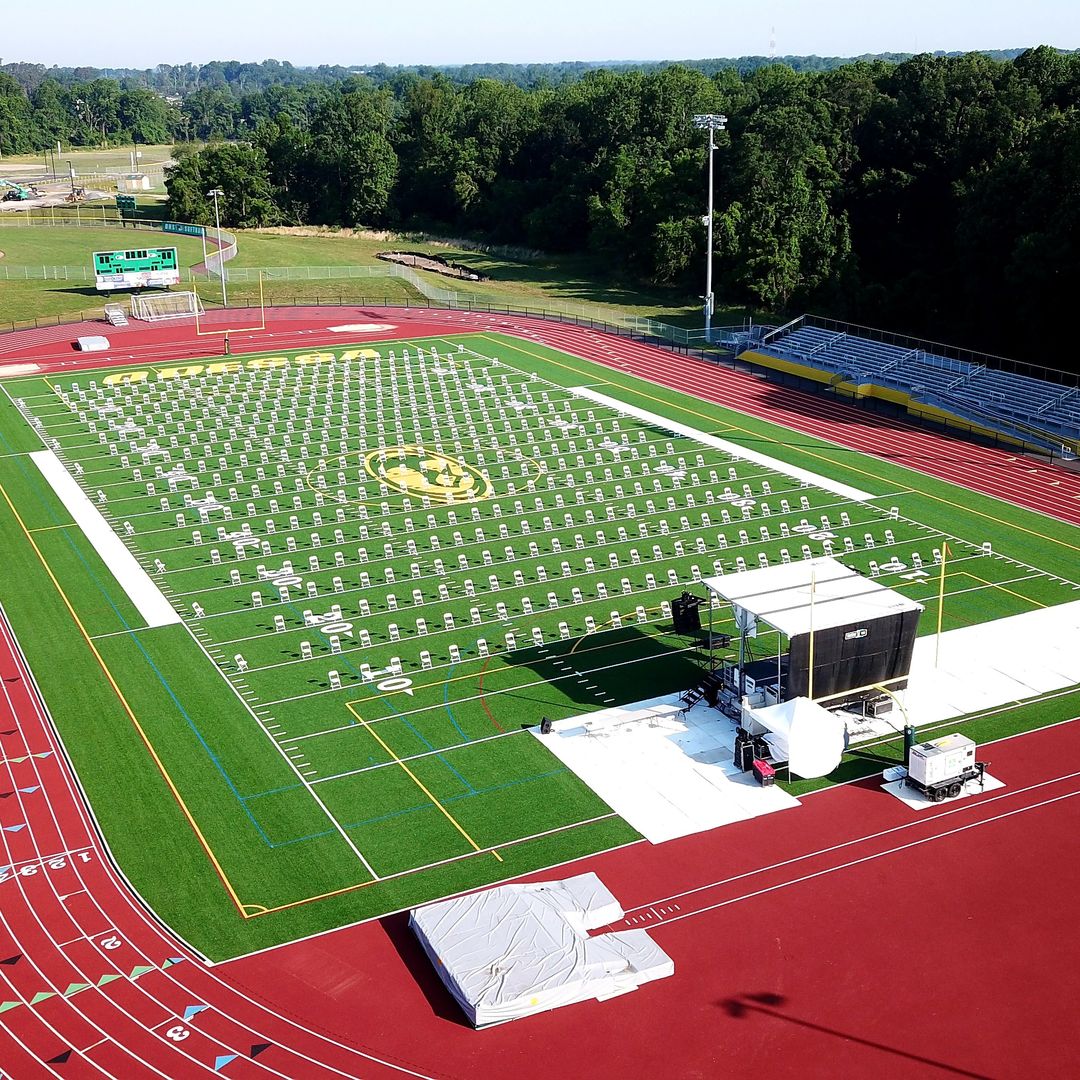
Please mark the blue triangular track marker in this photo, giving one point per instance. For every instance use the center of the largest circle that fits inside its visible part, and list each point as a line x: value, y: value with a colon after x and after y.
x: 194, y: 1010
x: 223, y: 1060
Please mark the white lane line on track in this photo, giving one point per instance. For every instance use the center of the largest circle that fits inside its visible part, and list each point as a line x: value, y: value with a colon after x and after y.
x: 869, y: 858
x: 121, y: 890
x: 965, y: 807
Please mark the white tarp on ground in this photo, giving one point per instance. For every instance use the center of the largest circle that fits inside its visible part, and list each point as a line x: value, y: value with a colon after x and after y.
x: 984, y: 667
x: 993, y: 663
x: 666, y: 770
x: 131, y: 577
x: 517, y: 950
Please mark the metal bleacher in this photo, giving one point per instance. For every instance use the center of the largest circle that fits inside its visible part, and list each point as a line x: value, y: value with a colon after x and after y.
x: 1036, y: 410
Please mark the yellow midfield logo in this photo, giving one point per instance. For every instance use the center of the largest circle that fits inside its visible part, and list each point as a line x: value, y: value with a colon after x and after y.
x: 412, y: 470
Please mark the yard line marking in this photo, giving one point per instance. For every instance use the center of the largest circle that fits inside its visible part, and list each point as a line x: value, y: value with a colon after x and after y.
x: 412, y: 757
x: 420, y: 784
x: 477, y: 697
x: 452, y: 859
x: 292, y: 765
x: 994, y: 585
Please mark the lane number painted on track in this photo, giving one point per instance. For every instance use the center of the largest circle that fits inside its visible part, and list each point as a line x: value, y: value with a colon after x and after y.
x: 56, y: 862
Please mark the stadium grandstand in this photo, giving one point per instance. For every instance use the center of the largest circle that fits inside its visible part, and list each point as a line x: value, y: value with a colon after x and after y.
x: 973, y: 387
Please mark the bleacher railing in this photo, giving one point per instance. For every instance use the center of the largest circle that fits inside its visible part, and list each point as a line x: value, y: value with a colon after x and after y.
x: 972, y: 357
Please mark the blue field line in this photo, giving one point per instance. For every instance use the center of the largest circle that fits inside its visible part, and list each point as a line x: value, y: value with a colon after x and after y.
x: 34, y: 483
x: 169, y: 690
x: 425, y: 806
x: 446, y: 702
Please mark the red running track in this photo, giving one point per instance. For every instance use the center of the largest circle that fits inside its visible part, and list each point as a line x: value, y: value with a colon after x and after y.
x: 855, y: 940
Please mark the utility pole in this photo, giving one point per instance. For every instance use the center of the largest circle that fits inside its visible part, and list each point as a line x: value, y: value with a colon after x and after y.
x: 215, y: 194
x: 710, y: 122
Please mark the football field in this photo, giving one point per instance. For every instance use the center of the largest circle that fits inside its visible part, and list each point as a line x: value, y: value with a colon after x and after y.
x: 303, y: 608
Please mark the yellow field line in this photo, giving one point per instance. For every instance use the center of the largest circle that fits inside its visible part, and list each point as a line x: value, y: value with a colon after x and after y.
x: 810, y: 453
x: 419, y: 783
x: 48, y: 528
x: 994, y: 585
x: 241, y: 907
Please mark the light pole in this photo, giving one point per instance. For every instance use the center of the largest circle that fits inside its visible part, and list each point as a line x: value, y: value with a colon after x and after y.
x: 710, y: 122
x: 215, y: 194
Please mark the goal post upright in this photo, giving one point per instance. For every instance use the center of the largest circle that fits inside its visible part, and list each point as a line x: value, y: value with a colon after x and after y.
x: 200, y: 332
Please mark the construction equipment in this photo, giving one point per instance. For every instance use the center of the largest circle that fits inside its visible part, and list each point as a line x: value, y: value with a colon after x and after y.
x: 16, y: 192
x: 76, y: 195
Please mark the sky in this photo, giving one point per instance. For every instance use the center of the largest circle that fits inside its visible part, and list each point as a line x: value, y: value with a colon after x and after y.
x: 361, y: 32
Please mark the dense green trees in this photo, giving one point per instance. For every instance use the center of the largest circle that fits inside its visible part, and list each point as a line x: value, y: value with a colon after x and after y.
x: 239, y: 171
x: 940, y: 196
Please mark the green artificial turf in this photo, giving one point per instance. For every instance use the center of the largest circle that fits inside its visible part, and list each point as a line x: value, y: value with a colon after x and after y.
x: 282, y: 800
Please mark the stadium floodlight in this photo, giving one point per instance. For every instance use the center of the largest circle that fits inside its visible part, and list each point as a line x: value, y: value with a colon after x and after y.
x: 712, y: 123
x: 215, y: 194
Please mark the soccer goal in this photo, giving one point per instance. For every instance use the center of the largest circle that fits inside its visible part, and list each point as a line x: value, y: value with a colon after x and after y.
x: 157, y: 307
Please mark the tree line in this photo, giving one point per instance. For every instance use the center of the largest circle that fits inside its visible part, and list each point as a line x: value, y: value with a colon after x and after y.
x: 939, y: 196
x: 226, y: 99
x: 242, y: 77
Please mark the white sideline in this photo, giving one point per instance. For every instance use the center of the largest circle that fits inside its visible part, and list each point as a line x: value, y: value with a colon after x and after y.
x: 132, y: 578
x: 854, y: 494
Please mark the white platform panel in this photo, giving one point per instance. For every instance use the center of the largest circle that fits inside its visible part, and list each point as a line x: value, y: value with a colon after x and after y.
x: 668, y: 773
x: 845, y: 491
x: 131, y: 577
x: 995, y: 663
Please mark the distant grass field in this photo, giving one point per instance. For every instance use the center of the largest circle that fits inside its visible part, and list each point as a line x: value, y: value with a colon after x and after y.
x: 519, y: 282
x: 87, y: 159
x: 47, y: 246
x: 34, y: 247
x: 547, y: 514
x: 568, y: 279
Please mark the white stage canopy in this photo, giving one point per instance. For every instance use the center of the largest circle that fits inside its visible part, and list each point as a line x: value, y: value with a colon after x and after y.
x: 809, y: 594
x: 809, y: 738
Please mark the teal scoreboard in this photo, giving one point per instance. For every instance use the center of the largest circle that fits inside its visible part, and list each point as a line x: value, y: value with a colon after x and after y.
x: 136, y: 269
